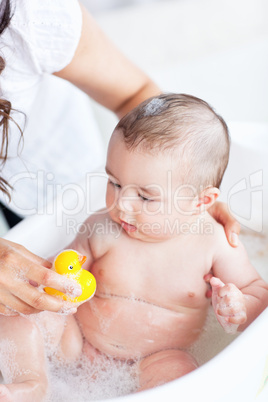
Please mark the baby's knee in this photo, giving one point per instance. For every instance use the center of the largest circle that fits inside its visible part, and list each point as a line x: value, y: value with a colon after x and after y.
x: 165, y: 366
x: 169, y: 358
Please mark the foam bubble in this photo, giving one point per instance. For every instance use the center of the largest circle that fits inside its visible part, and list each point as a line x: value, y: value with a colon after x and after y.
x: 101, y: 379
x: 104, y: 321
x: 68, y: 309
x: 47, y: 322
x: 9, y: 368
x: 154, y: 107
x: 18, y: 274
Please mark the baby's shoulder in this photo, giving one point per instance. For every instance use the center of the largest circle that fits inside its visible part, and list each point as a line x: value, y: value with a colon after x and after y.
x: 101, y: 230
x: 100, y: 222
x: 216, y: 236
x: 221, y: 248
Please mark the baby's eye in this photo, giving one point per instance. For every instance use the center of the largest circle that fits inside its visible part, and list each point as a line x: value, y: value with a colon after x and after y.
x: 144, y: 198
x: 70, y: 267
x: 114, y: 184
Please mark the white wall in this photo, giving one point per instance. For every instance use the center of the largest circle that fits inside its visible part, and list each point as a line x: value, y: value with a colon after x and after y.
x: 214, y: 49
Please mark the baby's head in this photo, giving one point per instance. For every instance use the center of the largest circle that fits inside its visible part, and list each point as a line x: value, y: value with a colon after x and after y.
x: 165, y: 162
x: 186, y: 127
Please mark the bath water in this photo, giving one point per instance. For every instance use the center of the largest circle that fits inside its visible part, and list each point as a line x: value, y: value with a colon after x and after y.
x: 84, y: 381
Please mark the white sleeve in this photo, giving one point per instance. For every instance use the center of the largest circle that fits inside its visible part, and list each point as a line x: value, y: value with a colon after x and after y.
x: 51, y: 30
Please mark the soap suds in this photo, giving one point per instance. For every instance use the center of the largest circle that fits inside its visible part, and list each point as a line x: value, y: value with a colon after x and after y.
x: 104, y: 378
x: 153, y: 107
x: 87, y: 381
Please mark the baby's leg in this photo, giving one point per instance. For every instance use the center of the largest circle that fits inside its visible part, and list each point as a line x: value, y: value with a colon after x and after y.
x: 22, y: 361
x: 164, y: 366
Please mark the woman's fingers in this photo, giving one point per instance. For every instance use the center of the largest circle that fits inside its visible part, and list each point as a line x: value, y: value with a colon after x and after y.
x: 221, y: 214
x: 21, y: 272
x: 12, y: 305
x: 232, y: 230
x: 32, y: 300
x: 36, y: 271
x: 47, y: 277
x: 18, y: 263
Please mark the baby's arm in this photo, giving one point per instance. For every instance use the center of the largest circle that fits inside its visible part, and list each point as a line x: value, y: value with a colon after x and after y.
x: 240, y: 294
x: 95, y: 240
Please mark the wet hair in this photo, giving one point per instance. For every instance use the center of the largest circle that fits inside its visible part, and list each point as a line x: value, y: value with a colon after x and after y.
x: 5, y: 105
x: 185, y: 126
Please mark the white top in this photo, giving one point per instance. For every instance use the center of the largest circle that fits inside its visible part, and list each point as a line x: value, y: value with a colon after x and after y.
x: 61, y: 139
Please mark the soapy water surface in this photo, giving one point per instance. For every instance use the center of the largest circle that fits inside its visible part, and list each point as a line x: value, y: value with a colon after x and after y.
x: 104, y: 378
x: 86, y: 381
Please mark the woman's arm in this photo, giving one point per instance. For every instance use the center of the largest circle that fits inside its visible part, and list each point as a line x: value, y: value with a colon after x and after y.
x: 104, y: 73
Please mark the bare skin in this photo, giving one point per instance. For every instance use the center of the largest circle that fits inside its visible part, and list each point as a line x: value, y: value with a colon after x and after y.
x: 120, y: 87
x: 25, y: 381
x: 155, y: 274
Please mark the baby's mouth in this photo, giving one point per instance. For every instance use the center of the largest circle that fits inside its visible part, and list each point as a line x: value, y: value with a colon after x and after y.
x: 127, y: 226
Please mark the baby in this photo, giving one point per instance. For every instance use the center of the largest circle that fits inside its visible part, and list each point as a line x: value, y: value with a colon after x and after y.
x: 150, y: 250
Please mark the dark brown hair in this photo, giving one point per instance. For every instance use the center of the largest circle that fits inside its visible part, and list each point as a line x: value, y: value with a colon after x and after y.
x: 183, y: 125
x: 5, y: 105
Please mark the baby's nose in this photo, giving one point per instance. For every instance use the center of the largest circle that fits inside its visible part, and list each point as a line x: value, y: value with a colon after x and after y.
x: 125, y: 204
x: 127, y: 200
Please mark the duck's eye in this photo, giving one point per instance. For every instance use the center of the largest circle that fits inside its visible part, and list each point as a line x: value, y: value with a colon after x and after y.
x: 70, y: 267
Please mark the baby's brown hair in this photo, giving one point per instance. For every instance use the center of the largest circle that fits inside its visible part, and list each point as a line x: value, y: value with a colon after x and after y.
x: 184, y: 125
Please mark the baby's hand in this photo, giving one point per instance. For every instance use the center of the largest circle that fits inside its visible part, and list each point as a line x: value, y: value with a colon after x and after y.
x: 229, y: 305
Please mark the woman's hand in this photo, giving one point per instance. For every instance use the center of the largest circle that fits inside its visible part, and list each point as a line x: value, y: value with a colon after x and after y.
x: 20, y: 273
x: 221, y: 214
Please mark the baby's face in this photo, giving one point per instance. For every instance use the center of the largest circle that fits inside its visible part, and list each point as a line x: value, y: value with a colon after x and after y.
x: 144, y: 194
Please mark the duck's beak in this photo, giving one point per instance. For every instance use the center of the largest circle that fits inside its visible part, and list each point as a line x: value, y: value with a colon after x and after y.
x: 82, y: 259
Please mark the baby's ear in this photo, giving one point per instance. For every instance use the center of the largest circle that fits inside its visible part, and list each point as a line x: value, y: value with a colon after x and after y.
x: 206, y: 199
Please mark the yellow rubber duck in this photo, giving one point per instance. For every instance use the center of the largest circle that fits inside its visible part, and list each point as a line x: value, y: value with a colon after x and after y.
x: 69, y: 263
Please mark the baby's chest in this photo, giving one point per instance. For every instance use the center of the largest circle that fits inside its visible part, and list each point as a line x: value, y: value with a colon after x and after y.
x: 152, y: 274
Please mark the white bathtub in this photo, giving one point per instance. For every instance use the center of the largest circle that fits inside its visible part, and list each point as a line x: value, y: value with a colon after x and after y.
x: 239, y: 372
